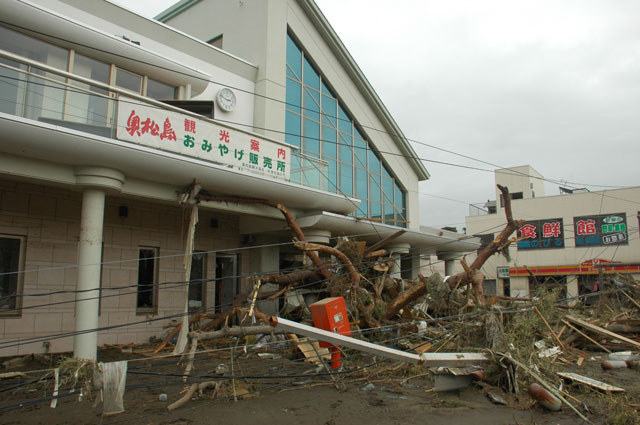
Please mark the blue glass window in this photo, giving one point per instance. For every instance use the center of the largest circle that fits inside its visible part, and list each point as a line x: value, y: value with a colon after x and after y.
x: 329, y: 144
x: 293, y: 95
x: 311, y: 78
x: 333, y: 175
x: 346, y: 179
x: 360, y: 149
x: 346, y: 151
x: 311, y: 137
x: 312, y: 104
x: 294, y: 60
x: 374, y: 162
x: 332, y: 135
x: 361, y: 183
x: 374, y: 184
x: 292, y: 129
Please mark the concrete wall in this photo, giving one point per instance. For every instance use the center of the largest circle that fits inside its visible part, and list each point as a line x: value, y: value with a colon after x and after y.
x: 49, y: 218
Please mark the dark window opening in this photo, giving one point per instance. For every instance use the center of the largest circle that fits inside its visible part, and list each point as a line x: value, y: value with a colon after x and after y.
x: 197, y: 281
x: 10, y: 277
x: 514, y: 197
x: 147, y: 278
x: 506, y: 287
x: 226, y: 282
x: 489, y: 286
x: 406, y: 267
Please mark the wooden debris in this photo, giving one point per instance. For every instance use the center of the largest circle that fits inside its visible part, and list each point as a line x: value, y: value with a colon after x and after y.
x: 590, y: 382
x: 586, y: 336
x: 310, y: 349
x: 602, y: 331
x: 191, y: 392
x: 553, y: 334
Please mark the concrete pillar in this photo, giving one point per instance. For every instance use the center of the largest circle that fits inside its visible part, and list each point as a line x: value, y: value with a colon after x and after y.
x: 89, y: 259
x: 396, y: 251
x: 449, y: 263
x: 449, y: 267
x: 318, y: 236
x: 572, y: 289
x: 96, y: 180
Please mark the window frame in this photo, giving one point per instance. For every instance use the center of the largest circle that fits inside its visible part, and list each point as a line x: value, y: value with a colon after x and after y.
x: 16, y: 311
x: 154, y: 285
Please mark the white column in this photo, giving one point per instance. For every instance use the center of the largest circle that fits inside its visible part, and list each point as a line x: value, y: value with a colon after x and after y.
x: 89, y: 259
x: 396, y: 251
x: 96, y: 181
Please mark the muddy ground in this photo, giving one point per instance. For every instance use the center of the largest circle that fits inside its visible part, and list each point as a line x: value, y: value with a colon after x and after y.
x: 290, y: 391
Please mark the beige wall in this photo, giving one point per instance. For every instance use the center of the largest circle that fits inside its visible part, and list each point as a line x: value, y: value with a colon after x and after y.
x: 49, y: 218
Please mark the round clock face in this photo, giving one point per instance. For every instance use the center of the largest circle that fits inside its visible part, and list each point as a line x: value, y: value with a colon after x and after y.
x: 226, y: 100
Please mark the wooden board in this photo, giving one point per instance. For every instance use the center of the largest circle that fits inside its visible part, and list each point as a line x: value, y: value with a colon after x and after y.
x: 590, y: 382
x: 601, y: 331
x: 307, y: 345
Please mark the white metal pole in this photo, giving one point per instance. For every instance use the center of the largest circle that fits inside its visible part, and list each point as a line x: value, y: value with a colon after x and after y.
x: 89, y: 258
x: 427, y: 359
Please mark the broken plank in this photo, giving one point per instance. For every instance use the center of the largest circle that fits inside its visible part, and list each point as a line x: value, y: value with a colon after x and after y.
x: 385, y: 241
x: 601, y: 330
x: 310, y: 349
x: 590, y: 382
x: 586, y: 336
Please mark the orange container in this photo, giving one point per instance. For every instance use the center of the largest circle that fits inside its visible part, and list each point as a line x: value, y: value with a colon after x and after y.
x: 330, y: 314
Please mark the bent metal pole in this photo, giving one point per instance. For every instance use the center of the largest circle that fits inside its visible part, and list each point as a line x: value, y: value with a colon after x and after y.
x: 427, y: 359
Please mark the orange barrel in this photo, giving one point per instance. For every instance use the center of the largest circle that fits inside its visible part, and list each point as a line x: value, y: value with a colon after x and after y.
x: 544, y: 397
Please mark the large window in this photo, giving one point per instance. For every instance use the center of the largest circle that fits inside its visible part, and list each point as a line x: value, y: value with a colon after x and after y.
x: 48, y: 97
x: 147, y: 280
x: 318, y: 123
x: 11, y: 267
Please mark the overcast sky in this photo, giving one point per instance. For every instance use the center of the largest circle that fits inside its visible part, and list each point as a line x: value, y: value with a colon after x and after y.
x: 553, y: 84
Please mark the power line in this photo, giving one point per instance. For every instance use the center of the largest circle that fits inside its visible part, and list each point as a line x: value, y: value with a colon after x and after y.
x: 301, y: 106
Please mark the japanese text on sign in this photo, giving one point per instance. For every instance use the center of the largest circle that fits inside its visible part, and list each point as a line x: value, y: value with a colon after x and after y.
x: 603, y: 229
x: 541, y: 234
x: 173, y: 132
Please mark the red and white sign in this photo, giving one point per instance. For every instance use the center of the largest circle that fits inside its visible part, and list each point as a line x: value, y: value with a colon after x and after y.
x: 170, y: 131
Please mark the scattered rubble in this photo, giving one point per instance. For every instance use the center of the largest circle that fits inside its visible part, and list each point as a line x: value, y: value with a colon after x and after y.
x: 534, y: 345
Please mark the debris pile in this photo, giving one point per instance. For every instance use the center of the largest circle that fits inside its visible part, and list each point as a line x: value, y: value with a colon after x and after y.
x: 543, y: 350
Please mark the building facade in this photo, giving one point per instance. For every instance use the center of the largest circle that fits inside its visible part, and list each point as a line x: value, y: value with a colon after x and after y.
x: 579, y: 241
x: 108, y: 117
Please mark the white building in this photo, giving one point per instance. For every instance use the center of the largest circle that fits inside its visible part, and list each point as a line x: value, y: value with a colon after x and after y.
x: 564, y: 239
x: 260, y: 99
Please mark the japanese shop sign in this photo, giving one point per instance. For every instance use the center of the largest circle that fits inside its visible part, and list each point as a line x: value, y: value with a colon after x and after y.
x: 606, y: 229
x: 541, y: 234
x: 503, y: 273
x: 185, y: 135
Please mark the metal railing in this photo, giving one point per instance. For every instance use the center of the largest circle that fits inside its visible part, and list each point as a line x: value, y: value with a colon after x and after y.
x: 48, y: 95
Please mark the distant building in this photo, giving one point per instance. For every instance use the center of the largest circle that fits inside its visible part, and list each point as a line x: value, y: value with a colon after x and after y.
x: 564, y: 239
x: 106, y: 116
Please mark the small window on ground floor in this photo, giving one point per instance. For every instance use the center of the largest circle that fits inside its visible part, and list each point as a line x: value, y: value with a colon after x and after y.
x: 197, y: 281
x: 11, y: 268
x: 147, y: 280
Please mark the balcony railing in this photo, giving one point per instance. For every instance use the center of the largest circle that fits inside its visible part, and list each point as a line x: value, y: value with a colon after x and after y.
x: 47, y: 95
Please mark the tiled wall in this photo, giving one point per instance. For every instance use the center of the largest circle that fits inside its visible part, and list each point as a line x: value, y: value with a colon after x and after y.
x: 49, y: 218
